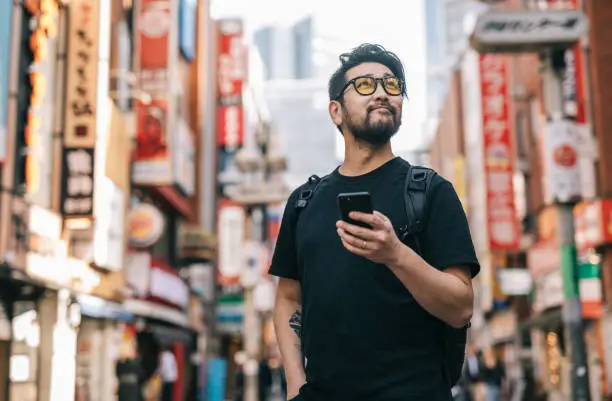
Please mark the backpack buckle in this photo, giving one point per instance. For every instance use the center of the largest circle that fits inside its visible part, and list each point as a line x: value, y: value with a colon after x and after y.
x: 303, y: 198
x: 418, y: 180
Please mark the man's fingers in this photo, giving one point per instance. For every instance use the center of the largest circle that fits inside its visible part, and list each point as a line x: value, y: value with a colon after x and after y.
x: 384, y: 219
x: 353, y: 249
x: 371, y: 219
x: 360, y: 232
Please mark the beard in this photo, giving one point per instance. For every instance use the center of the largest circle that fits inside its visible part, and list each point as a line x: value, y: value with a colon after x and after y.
x: 375, y: 133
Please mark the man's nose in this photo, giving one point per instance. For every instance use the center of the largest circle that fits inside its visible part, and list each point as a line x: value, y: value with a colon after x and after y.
x: 380, y: 92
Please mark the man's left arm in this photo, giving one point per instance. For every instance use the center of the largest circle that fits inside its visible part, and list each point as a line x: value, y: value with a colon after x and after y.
x: 447, y: 294
x: 442, y: 285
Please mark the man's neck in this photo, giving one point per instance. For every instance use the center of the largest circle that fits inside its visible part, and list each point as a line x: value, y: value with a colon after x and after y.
x: 360, y: 158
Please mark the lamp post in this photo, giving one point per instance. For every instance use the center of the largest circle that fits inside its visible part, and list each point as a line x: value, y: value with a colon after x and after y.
x: 261, y: 165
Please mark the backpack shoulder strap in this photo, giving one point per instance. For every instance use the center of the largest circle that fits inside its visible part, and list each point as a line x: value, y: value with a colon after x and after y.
x: 308, y: 190
x: 416, y: 191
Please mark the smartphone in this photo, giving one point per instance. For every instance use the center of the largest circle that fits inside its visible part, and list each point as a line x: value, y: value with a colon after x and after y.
x: 354, y: 202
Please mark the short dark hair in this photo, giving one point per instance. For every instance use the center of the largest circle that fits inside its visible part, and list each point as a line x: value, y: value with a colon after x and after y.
x: 364, y: 53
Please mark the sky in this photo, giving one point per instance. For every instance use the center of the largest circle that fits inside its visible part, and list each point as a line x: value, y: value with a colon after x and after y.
x: 398, y: 25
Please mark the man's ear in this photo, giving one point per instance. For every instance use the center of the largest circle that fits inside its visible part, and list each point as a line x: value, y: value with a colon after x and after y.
x: 336, y: 112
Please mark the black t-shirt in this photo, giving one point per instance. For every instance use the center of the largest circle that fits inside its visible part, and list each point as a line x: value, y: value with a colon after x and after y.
x: 364, y: 336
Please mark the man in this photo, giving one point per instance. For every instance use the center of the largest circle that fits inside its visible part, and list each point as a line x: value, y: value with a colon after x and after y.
x: 358, y: 313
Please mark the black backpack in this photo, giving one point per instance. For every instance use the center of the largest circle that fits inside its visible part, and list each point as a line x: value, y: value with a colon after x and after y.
x: 416, y: 191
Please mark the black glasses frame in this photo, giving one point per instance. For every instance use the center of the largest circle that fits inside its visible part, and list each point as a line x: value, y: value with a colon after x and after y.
x: 376, y: 80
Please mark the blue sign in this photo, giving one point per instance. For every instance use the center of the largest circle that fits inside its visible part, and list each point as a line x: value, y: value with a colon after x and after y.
x: 217, y: 373
x: 188, y: 21
x: 6, y: 12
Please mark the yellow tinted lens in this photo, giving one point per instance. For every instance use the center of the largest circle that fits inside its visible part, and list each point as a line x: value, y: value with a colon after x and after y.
x: 365, y: 85
x: 393, y: 85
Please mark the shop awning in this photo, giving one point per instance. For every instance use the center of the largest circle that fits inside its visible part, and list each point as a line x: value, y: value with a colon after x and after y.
x: 157, y: 311
x: 99, y: 308
x: 546, y: 320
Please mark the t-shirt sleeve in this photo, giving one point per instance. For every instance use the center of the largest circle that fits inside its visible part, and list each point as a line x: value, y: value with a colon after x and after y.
x: 284, y: 260
x: 447, y: 241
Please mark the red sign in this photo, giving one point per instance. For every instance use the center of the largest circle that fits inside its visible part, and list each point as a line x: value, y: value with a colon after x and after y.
x: 154, y: 23
x: 502, y: 223
x: 230, y: 120
x: 543, y: 258
x: 151, y: 130
x: 593, y: 223
x: 231, y: 63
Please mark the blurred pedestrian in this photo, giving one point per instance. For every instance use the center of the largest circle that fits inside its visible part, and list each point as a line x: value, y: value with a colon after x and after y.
x: 493, y: 374
x: 168, y: 373
x: 373, y: 305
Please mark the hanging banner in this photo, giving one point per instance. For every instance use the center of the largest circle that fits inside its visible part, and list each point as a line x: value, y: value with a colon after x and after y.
x: 593, y: 224
x: 502, y: 223
x: 155, y: 62
x: 231, y: 234
x: 231, y: 67
x: 560, y: 151
x: 82, y: 74
x: 231, y: 126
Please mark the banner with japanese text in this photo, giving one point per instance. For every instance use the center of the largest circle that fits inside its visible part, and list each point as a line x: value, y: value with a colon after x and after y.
x: 82, y: 74
x: 231, y: 72
x: 80, y: 130
x: 498, y: 149
x: 154, y: 64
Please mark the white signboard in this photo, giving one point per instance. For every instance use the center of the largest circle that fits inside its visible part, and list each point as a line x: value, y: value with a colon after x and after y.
x: 519, y: 31
x: 560, y: 144
x: 183, y: 158
x: 168, y: 287
x: 515, y: 282
x: 231, y: 240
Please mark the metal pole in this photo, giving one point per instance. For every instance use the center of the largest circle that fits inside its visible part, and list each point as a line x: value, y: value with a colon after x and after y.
x: 572, y: 314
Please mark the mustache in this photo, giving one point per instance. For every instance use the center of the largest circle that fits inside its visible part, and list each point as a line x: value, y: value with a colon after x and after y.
x: 385, y: 106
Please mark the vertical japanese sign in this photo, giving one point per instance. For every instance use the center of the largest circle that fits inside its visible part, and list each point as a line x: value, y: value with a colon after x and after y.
x: 78, y: 182
x: 230, y: 75
x: 573, y: 85
x: 152, y: 164
x: 6, y: 12
x: 81, y: 109
x: 502, y: 224
x: 82, y: 76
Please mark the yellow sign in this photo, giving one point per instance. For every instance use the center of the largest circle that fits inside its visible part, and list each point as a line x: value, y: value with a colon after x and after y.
x: 460, y: 181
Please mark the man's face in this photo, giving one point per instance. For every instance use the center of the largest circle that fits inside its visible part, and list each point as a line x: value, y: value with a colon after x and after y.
x: 373, y: 118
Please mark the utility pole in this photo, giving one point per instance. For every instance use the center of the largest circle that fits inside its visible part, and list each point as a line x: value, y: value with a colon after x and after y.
x: 572, y: 314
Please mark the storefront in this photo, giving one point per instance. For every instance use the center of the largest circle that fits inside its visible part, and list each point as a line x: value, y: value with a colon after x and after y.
x: 99, y: 347
x: 168, y: 318
x: 593, y: 237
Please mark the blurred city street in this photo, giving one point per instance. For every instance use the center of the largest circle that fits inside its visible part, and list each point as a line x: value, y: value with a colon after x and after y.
x: 148, y: 149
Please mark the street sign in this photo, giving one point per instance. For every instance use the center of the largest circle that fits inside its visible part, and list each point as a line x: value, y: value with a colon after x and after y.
x: 527, y: 31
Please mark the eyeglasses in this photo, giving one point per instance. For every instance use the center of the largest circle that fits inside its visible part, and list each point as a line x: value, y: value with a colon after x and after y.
x: 366, y: 86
